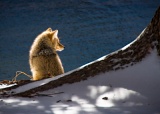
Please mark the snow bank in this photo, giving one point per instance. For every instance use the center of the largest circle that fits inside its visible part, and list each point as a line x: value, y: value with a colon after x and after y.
x: 131, y: 90
x: 2, y: 86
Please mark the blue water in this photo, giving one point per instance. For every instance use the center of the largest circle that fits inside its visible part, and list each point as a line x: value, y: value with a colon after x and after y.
x: 89, y: 29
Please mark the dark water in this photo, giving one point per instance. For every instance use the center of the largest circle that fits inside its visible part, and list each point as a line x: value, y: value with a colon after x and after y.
x: 89, y: 29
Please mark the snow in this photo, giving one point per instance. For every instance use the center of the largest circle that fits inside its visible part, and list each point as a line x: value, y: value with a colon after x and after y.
x: 40, y: 83
x: 134, y: 89
x: 2, y: 86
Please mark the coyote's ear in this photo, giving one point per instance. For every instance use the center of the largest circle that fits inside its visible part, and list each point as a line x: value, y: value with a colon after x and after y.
x: 55, y: 33
x: 49, y: 29
x: 50, y: 35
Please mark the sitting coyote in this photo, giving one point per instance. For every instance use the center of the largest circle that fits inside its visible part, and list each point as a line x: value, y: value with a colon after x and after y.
x: 43, y: 58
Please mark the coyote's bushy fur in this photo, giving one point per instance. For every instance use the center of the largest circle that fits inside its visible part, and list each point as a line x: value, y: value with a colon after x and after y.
x: 43, y: 58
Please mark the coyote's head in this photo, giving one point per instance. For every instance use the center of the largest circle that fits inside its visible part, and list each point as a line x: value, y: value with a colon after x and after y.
x: 53, y: 36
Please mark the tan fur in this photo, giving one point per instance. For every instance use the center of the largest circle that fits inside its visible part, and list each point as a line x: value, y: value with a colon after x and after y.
x: 43, y: 58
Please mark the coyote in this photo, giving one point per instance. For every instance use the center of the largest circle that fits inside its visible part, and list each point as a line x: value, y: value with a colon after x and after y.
x: 43, y: 58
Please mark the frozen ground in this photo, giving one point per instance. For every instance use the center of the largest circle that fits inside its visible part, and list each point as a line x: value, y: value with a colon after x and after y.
x: 134, y: 90
x: 89, y: 29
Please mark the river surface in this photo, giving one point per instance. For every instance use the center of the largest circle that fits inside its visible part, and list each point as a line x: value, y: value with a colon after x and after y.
x: 88, y: 29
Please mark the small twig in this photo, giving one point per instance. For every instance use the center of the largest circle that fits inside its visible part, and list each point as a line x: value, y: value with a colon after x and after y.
x: 20, y: 72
